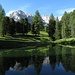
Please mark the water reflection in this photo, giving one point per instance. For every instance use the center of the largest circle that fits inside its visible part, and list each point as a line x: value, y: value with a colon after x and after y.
x: 55, y: 60
x: 46, y: 69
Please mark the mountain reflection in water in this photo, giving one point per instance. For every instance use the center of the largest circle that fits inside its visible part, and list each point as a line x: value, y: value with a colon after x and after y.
x: 46, y: 69
x: 46, y: 60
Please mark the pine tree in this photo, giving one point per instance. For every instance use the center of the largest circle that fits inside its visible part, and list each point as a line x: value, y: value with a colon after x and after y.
x: 72, y: 24
x: 5, y: 25
x: 12, y: 27
x: 65, y: 26
x: 57, y: 29
x: 51, y: 26
x: 2, y: 14
x: 18, y: 27
x: 22, y: 26
x: 26, y: 26
x: 37, y: 23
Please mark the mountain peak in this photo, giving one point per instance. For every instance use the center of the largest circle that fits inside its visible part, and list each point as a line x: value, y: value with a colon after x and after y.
x: 45, y: 18
x: 18, y: 14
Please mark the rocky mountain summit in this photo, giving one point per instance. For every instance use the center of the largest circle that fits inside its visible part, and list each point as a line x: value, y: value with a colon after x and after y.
x: 18, y: 14
x: 45, y: 18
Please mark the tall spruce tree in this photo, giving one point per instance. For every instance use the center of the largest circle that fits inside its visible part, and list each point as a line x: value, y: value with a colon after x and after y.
x: 51, y: 26
x: 57, y: 29
x: 65, y: 25
x: 5, y: 25
x: 26, y: 26
x: 12, y: 27
x: 72, y: 23
x: 2, y: 14
x: 3, y: 30
x: 22, y: 26
x: 18, y: 27
x: 37, y: 23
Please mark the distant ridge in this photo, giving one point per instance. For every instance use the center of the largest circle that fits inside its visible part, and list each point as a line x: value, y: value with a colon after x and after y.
x: 18, y: 14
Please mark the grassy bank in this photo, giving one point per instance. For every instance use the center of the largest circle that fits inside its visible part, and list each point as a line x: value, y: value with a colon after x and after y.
x: 66, y: 41
x: 17, y: 44
x: 18, y: 41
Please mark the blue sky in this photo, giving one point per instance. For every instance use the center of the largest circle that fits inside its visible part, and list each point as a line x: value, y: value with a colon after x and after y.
x: 57, y: 7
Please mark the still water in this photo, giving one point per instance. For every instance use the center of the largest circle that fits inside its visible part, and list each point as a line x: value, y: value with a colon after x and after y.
x: 45, y: 60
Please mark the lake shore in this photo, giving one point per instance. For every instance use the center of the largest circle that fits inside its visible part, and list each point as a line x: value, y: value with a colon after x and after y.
x: 65, y: 41
x: 17, y: 42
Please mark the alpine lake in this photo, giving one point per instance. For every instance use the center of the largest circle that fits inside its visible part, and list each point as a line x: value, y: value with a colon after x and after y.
x: 38, y: 60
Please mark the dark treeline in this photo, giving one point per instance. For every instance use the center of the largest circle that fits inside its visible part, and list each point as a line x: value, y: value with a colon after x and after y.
x: 65, y: 28
x: 10, y: 27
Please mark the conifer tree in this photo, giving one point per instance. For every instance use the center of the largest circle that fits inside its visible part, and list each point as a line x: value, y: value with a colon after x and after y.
x: 2, y: 14
x: 57, y: 29
x: 51, y: 26
x: 72, y: 23
x: 37, y: 23
x: 65, y: 30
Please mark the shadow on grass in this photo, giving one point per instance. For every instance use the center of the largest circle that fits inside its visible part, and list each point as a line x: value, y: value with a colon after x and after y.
x: 18, y: 41
x: 6, y: 44
x: 23, y: 36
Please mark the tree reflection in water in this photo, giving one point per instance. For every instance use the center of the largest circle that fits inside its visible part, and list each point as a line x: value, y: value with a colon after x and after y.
x: 46, y: 69
x: 57, y: 60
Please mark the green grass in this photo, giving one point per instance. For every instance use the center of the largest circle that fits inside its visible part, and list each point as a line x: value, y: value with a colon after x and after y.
x: 70, y: 41
x: 28, y: 38
x: 67, y: 46
x: 43, y: 34
x: 22, y: 41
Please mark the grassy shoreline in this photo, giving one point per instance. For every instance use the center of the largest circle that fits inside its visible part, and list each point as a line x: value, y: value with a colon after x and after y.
x: 65, y: 41
x: 16, y: 44
x: 8, y: 42
x: 19, y: 41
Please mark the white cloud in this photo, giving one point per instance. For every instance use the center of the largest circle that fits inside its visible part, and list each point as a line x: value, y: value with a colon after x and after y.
x: 61, y: 11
